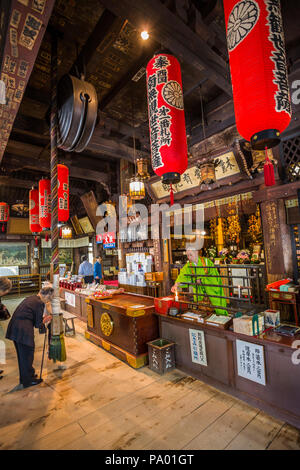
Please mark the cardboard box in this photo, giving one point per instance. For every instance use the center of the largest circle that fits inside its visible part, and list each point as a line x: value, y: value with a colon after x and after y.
x: 247, y: 325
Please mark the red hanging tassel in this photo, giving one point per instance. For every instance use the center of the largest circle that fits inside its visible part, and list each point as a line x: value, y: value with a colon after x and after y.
x: 3, y: 228
x: 171, y: 195
x: 47, y: 238
x: 36, y: 241
x: 269, y: 171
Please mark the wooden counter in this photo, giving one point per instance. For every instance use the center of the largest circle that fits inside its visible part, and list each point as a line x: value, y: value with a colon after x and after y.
x: 123, y: 325
x: 280, y: 394
x: 74, y: 303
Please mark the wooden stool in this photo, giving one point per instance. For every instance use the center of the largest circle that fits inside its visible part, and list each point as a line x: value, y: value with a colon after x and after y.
x: 69, y: 329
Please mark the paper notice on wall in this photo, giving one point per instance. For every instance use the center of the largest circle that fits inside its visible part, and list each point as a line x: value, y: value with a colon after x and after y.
x: 70, y: 299
x: 198, y: 350
x: 251, y: 361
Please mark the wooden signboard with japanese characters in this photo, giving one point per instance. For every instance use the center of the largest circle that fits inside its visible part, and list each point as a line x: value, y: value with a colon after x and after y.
x: 26, y: 27
x: 272, y: 237
x: 227, y: 166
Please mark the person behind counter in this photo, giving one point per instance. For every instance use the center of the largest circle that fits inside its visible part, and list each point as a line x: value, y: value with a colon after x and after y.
x: 20, y: 330
x: 98, y: 270
x: 203, y: 288
x: 86, y: 270
x: 5, y: 287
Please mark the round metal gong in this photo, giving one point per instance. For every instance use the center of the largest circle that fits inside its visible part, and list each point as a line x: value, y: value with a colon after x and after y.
x: 77, y: 113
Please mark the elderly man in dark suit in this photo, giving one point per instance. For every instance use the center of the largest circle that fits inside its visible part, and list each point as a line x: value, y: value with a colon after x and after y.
x: 27, y: 316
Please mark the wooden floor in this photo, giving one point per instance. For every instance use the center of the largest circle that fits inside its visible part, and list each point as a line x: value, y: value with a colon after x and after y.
x: 99, y: 402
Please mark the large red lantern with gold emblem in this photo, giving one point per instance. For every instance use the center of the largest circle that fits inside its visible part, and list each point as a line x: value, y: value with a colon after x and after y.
x: 45, y: 204
x: 166, y: 118
x: 63, y: 192
x: 258, y: 70
x: 34, y: 211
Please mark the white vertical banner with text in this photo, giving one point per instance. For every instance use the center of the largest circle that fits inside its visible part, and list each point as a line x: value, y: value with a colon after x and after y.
x: 198, y: 350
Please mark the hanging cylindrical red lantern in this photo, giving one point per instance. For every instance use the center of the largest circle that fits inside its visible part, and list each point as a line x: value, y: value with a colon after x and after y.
x: 34, y: 211
x: 45, y: 204
x: 4, y: 212
x: 166, y: 118
x: 258, y: 70
x: 63, y: 192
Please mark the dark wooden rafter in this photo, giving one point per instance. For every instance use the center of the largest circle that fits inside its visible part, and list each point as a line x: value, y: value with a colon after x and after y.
x: 138, y: 64
x: 171, y: 32
x: 27, y: 184
x: 106, y: 23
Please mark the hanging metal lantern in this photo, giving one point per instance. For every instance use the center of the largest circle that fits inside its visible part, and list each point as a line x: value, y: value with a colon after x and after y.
x: 63, y: 192
x: 137, y: 188
x: 34, y: 211
x: 207, y: 172
x: 45, y: 204
x: 166, y: 118
x: 258, y: 70
x: 142, y: 168
x: 4, y: 212
x: 66, y: 232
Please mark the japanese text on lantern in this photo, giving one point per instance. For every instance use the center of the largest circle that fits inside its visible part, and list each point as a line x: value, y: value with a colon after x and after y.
x: 46, y: 204
x: 159, y: 118
x: 278, y: 57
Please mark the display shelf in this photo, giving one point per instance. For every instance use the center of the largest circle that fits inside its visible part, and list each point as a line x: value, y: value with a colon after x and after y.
x: 295, y: 232
x: 26, y: 283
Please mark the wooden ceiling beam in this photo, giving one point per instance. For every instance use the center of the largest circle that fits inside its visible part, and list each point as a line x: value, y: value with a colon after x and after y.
x: 174, y: 34
x: 138, y: 64
x: 112, y: 148
x: 18, y: 163
x: 27, y: 184
x: 102, y: 28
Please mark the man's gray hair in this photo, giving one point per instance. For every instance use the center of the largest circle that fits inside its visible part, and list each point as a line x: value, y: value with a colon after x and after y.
x: 47, y: 291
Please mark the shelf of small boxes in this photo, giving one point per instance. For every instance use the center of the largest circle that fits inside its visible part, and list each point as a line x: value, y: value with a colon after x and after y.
x: 247, y: 324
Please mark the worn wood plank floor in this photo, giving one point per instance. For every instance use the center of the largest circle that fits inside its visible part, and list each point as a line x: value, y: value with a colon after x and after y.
x: 99, y: 402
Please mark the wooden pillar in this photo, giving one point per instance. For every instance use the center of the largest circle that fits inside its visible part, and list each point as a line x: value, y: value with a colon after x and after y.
x: 34, y: 258
x: 277, y: 243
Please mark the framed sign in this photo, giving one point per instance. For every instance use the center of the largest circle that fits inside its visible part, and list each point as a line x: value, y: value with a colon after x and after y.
x: 13, y: 254
x: 198, y: 349
x: 109, y: 240
x: 70, y: 299
x: 86, y: 225
x: 251, y: 361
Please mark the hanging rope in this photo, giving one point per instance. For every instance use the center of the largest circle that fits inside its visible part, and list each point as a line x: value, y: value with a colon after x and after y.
x: 57, y: 350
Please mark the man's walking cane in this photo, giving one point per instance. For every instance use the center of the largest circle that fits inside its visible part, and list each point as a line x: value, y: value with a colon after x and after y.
x: 44, y: 351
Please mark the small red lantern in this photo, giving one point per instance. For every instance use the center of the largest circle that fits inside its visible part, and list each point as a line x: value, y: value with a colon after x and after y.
x: 166, y: 118
x: 34, y: 211
x: 45, y: 204
x: 258, y: 70
x: 63, y: 192
x: 4, y: 212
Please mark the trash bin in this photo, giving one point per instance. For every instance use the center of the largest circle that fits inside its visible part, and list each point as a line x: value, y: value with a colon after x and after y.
x: 161, y: 355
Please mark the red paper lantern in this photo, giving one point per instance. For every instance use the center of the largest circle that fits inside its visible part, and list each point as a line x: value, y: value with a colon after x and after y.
x: 166, y: 118
x: 45, y: 204
x: 258, y: 70
x: 63, y: 192
x: 4, y: 212
x: 34, y: 211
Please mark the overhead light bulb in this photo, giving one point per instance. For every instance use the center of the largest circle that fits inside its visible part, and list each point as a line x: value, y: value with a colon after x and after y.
x: 145, y: 35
